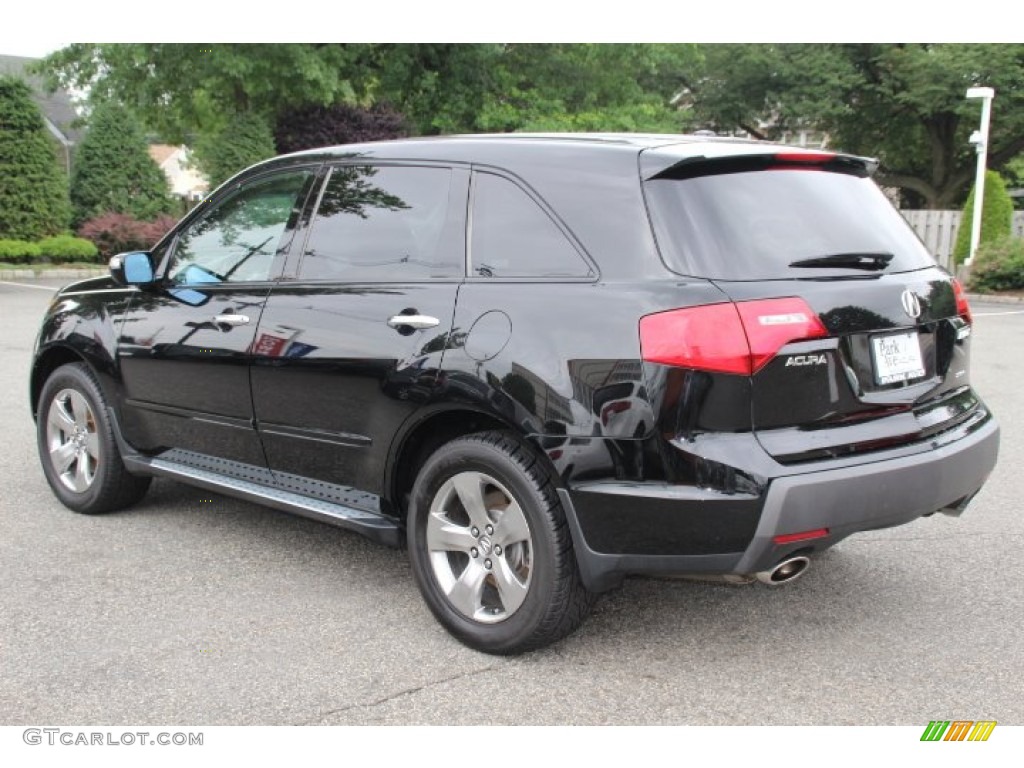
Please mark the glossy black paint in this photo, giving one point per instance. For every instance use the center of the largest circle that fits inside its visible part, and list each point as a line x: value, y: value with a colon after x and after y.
x: 82, y: 323
x: 332, y: 381
x: 186, y: 376
x: 661, y: 468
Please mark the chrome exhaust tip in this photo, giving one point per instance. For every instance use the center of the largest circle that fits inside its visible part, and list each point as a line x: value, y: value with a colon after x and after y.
x: 784, y: 572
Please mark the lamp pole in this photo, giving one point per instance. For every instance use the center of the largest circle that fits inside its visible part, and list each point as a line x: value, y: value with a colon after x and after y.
x: 980, y: 141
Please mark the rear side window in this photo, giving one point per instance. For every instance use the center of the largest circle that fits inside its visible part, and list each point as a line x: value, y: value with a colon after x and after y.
x: 391, y: 223
x: 512, y: 236
x: 754, y: 225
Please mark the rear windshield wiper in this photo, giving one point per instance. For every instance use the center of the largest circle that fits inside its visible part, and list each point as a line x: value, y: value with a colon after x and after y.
x: 872, y: 262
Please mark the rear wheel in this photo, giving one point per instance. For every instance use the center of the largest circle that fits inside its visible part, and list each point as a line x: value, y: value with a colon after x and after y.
x: 490, y: 548
x: 77, y: 446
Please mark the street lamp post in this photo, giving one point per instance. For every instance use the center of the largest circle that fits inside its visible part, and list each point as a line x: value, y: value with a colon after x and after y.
x: 980, y: 141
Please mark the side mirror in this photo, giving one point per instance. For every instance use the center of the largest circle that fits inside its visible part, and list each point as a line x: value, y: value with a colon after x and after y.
x: 135, y: 268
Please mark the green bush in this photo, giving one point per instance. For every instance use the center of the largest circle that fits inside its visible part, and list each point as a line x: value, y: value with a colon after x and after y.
x: 999, y: 266
x: 18, y: 251
x: 33, y: 189
x: 68, y: 248
x: 996, y: 216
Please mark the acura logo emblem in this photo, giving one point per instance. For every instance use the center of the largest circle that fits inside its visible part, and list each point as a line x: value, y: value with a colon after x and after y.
x: 911, y: 304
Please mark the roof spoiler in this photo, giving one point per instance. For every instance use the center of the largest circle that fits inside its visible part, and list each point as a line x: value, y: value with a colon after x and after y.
x: 659, y: 165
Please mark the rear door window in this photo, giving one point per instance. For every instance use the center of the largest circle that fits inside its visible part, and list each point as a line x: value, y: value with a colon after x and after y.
x: 755, y: 225
x: 385, y: 223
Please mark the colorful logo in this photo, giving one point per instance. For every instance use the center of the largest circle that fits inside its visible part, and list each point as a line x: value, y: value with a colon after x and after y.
x: 958, y: 730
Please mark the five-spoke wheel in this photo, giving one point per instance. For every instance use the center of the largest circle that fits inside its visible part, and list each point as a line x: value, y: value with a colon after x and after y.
x: 490, y: 547
x: 71, y: 440
x: 77, y: 446
x: 480, y: 547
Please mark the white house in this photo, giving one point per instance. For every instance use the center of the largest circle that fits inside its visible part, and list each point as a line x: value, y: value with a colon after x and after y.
x: 185, y: 179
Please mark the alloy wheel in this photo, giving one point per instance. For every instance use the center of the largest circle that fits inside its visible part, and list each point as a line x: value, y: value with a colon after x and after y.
x: 480, y: 547
x: 74, y: 448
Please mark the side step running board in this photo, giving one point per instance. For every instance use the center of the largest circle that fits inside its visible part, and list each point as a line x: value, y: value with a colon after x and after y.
x: 371, y: 524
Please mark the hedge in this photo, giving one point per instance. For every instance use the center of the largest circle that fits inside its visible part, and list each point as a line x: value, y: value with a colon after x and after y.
x: 56, y: 249
x: 999, y: 266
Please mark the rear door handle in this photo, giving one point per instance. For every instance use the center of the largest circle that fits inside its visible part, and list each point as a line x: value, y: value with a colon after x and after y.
x: 419, y: 322
x: 231, y: 319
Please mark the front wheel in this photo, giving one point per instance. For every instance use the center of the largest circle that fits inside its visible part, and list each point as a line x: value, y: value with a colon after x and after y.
x: 490, y: 548
x: 77, y: 446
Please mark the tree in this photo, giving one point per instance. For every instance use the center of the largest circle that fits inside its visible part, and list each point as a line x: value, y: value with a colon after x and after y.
x: 314, y: 126
x: 245, y: 140
x: 180, y: 90
x: 183, y: 90
x: 446, y: 88
x: 113, y: 171
x: 33, y: 191
x: 996, y: 216
x: 901, y: 103
x: 589, y: 87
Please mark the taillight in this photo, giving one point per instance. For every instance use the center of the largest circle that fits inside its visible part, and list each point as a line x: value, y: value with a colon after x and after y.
x: 736, y: 338
x: 962, y: 307
x: 773, y: 323
x: 612, y: 408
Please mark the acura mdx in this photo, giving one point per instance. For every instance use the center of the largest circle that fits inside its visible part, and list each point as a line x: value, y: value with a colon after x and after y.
x: 542, y: 362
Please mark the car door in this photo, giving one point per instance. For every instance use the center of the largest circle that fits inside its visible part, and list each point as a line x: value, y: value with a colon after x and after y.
x: 185, y: 346
x: 351, y: 345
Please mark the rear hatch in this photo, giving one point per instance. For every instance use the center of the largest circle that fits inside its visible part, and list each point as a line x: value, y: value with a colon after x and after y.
x: 859, y: 341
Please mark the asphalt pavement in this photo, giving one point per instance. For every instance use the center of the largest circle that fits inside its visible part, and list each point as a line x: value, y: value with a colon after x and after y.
x: 194, y: 608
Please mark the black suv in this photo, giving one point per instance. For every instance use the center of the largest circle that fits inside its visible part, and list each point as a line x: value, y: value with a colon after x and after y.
x: 545, y: 362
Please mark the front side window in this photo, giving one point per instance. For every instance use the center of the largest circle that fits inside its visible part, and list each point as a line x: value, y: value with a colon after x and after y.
x: 389, y: 223
x: 514, y: 237
x: 241, y: 238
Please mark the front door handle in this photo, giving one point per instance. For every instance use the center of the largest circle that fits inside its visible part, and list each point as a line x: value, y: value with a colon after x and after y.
x: 419, y: 322
x: 231, y: 319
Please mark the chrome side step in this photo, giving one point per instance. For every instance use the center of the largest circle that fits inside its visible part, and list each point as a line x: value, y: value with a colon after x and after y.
x: 371, y: 524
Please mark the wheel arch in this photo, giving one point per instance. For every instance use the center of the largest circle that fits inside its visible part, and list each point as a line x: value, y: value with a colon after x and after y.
x: 45, y: 364
x: 425, y: 435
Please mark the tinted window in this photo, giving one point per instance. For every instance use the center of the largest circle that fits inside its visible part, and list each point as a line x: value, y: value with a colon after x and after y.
x: 514, y: 237
x: 385, y: 223
x: 752, y: 226
x: 240, y: 238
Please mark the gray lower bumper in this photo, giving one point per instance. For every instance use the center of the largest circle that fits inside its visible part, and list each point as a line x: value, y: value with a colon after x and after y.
x: 856, y: 498
x: 871, y: 496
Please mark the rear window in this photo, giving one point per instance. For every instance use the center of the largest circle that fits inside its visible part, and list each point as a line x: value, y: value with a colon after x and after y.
x: 753, y: 225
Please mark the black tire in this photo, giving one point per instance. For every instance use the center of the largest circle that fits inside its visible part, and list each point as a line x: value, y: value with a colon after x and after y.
x: 522, y: 597
x: 77, y: 447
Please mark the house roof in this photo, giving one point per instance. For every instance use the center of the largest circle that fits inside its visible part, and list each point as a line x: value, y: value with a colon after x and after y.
x: 161, y: 153
x: 56, y: 107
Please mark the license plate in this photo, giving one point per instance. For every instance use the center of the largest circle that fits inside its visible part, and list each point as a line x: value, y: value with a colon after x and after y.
x: 897, y: 358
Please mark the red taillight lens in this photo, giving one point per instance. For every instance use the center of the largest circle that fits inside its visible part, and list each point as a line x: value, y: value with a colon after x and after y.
x: 773, y: 323
x: 612, y: 408
x: 810, y: 157
x: 736, y: 338
x: 962, y: 307
x: 709, y: 338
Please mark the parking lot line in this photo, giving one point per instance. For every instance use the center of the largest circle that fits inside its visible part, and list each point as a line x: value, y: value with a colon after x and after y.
x: 29, y: 285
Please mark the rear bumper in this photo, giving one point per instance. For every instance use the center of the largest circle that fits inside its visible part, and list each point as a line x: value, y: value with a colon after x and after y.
x: 861, y: 497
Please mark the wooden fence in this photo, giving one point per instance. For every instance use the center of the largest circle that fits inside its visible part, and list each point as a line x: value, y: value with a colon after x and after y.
x: 938, y: 230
